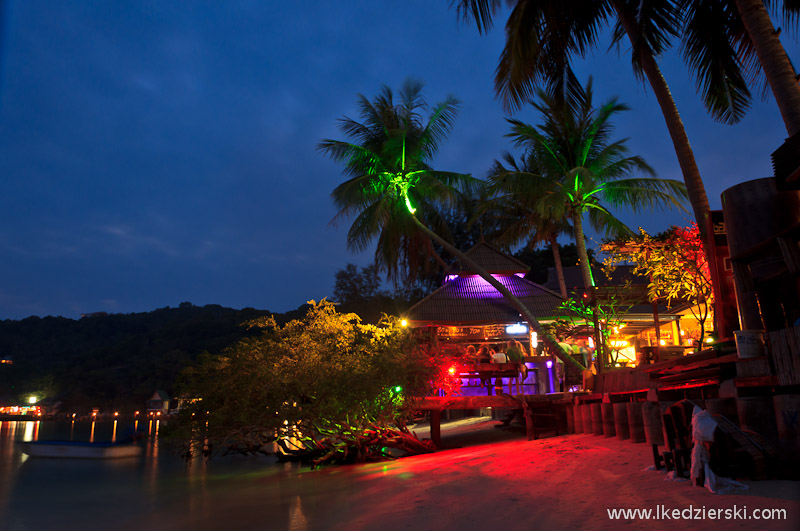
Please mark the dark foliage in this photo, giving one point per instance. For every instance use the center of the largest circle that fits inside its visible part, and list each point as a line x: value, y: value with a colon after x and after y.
x: 112, y: 361
x: 541, y: 260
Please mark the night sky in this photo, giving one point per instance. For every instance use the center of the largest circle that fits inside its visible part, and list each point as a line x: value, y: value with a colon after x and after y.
x: 155, y: 152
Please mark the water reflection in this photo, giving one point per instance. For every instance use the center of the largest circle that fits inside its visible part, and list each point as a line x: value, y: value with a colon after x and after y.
x: 297, y: 520
x: 31, y: 430
x: 157, y: 490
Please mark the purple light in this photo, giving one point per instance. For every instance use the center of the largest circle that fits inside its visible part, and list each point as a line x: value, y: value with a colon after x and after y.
x: 477, y: 287
x: 448, y: 278
x: 549, y: 364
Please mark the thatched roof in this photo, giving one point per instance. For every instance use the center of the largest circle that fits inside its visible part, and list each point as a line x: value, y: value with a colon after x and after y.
x: 472, y: 300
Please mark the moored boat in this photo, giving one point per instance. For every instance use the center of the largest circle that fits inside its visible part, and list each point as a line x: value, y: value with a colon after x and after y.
x: 80, y: 450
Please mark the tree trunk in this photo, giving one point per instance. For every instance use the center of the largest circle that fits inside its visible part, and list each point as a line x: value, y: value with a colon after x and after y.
x: 583, y: 256
x: 562, y: 285
x: 680, y: 141
x: 780, y: 74
x: 548, y: 340
x: 588, y: 283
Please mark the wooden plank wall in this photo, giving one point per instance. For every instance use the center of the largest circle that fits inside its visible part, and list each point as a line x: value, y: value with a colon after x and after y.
x: 785, y: 352
x: 622, y: 379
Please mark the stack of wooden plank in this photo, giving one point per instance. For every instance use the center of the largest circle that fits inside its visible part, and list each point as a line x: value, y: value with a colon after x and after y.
x: 697, y: 368
x: 785, y: 347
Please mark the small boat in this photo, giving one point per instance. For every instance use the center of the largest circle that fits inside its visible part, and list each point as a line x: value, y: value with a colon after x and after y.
x: 81, y: 450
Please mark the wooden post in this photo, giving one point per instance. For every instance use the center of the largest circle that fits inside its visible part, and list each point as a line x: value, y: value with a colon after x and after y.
x: 436, y: 427
x: 529, y: 431
x: 657, y: 351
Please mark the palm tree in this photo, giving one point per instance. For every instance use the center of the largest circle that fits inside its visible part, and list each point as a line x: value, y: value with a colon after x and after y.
x: 518, y: 222
x: 582, y: 173
x: 542, y: 36
x: 772, y: 57
x: 392, y: 189
x: 390, y: 161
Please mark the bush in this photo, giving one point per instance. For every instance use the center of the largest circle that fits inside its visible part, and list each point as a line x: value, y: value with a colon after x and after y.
x: 325, y: 379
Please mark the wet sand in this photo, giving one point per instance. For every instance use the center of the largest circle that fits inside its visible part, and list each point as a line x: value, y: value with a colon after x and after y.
x: 494, y: 480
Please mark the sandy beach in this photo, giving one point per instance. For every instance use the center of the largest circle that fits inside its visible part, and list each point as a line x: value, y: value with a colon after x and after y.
x: 488, y: 479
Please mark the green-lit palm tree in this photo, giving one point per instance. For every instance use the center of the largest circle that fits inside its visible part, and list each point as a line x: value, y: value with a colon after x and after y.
x: 543, y: 36
x: 519, y: 220
x: 582, y: 172
x: 389, y: 162
x: 394, y: 194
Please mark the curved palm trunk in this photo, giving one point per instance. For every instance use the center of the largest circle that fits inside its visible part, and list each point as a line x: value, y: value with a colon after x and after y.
x: 548, y: 340
x: 780, y: 74
x: 439, y: 260
x: 588, y: 282
x: 677, y: 132
x: 583, y: 256
x: 691, y: 174
x: 562, y: 285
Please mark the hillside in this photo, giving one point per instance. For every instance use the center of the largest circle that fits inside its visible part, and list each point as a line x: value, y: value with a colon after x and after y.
x: 115, y: 360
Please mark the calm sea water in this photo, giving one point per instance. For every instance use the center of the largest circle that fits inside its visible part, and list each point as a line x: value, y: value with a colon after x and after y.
x: 158, y: 490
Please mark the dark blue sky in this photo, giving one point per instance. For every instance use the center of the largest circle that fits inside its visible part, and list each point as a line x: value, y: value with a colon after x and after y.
x: 157, y: 152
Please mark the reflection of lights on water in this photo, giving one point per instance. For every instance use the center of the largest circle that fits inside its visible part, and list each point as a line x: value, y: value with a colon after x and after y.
x: 27, y: 434
x: 91, y: 434
x: 297, y: 520
x: 114, y: 432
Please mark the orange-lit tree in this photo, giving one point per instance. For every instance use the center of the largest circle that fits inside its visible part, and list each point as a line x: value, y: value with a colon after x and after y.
x: 676, y: 264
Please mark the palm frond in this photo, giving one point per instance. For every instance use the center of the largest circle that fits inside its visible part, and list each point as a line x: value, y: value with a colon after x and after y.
x: 709, y: 48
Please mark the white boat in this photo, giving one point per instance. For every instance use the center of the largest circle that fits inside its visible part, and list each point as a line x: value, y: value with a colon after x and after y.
x: 80, y: 450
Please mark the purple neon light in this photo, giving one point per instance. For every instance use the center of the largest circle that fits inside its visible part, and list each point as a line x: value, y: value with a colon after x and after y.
x: 478, y: 287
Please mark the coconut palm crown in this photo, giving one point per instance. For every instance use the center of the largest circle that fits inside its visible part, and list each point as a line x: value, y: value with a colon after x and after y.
x: 388, y: 164
x: 394, y: 194
x: 581, y: 170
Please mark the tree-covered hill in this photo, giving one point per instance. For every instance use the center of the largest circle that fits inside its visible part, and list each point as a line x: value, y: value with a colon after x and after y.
x: 116, y: 360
